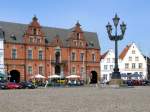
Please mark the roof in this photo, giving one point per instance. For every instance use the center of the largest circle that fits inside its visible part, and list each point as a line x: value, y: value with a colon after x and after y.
x: 124, y: 52
x: 104, y: 55
x: 18, y: 30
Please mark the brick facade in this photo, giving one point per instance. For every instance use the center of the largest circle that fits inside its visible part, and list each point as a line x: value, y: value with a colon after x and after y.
x: 54, y: 54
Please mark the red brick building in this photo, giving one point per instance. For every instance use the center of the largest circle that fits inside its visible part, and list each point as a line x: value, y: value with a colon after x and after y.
x: 34, y: 49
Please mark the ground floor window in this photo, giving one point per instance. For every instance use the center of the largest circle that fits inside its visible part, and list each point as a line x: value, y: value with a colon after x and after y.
x: 105, y: 76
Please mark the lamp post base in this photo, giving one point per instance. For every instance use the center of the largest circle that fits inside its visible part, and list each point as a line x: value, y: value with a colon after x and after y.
x: 116, y: 80
x: 116, y: 75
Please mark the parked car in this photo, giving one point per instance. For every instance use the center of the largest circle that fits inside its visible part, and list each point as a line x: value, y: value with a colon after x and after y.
x: 13, y: 85
x: 3, y: 84
x: 146, y: 83
x: 28, y: 85
x: 129, y: 82
x: 137, y: 82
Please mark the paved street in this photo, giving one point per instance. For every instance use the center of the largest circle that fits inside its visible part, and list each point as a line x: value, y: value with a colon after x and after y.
x: 83, y: 99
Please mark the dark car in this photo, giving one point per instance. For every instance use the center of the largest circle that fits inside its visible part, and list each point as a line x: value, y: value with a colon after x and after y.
x: 129, y: 82
x: 3, y: 84
x: 13, y: 85
x: 28, y: 85
x: 146, y: 83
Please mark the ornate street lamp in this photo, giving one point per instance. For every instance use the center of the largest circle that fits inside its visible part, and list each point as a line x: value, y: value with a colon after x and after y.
x: 116, y: 38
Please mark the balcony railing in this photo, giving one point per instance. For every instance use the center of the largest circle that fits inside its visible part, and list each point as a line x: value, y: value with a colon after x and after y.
x: 63, y: 62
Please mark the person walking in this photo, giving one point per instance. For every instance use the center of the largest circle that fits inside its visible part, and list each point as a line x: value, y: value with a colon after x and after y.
x: 46, y: 83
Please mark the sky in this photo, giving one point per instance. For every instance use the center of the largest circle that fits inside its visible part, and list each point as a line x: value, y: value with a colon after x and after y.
x: 93, y: 15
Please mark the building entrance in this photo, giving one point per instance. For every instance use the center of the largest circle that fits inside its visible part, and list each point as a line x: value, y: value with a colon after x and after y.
x: 15, y: 76
x: 93, y: 77
x: 57, y: 69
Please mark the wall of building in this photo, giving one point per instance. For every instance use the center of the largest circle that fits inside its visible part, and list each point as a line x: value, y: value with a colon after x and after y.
x: 136, y: 58
x: 2, y: 55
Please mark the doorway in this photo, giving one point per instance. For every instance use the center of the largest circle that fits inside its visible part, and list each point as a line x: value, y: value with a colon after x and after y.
x: 93, y: 77
x: 15, y: 76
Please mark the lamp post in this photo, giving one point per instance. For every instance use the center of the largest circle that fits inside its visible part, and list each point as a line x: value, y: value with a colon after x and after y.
x: 116, y: 37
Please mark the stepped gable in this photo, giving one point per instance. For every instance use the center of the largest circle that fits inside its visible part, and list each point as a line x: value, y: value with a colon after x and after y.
x: 18, y: 30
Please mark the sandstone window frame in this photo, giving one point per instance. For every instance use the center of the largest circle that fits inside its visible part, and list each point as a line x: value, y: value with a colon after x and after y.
x: 14, y: 53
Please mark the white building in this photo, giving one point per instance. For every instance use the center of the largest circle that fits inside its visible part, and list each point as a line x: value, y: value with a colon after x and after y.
x: 107, y: 65
x: 131, y: 61
x: 1, y: 51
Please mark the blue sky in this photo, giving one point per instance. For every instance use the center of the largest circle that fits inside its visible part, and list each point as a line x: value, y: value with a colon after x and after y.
x: 93, y: 15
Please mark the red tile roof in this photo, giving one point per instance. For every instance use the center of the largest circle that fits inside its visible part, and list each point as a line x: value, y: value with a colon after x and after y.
x: 124, y: 52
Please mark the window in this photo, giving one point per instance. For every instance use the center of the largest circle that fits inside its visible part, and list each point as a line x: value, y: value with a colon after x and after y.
x: 126, y: 65
x: 130, y: 58
x: 91, y: 44
x: 108, y: 60
x: 133, y: 65
x: 105, y: 67
x: 30, y: 54
x: 31, y: 40
x: 14, y: 54
x: 40, y: 55
x: 141, y: 73
x: 113, y: 60
x: 78, y: 36
x: 111, y: 67
x: 73, y: 56
x: 136, y: 58
x: 38, y: 40
x: 133, y: 51
x: 105, y: 76
x: 40, y: 70
x: 82, y: 70
x: 73, y: 70
x: 34, y: 31
x: 81, y: 44
x: 75, y: 43
x: 29, y: 69
x: 93, y: 57
x: 140, y: 65
x: 81, y: 56
x: 13, y: 37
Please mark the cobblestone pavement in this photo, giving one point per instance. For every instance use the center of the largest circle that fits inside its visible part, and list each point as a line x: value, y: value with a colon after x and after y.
x: 81, y: 99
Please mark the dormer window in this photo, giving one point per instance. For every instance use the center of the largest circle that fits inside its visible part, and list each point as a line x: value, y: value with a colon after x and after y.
x: 13, y: 37
x: 91, y: 44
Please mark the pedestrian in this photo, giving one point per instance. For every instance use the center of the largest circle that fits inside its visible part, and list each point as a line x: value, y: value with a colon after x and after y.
x: 46, y: 83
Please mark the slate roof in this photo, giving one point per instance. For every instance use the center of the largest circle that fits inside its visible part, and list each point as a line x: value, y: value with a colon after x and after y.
x: 18, y: 30
x: 104, y: 55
